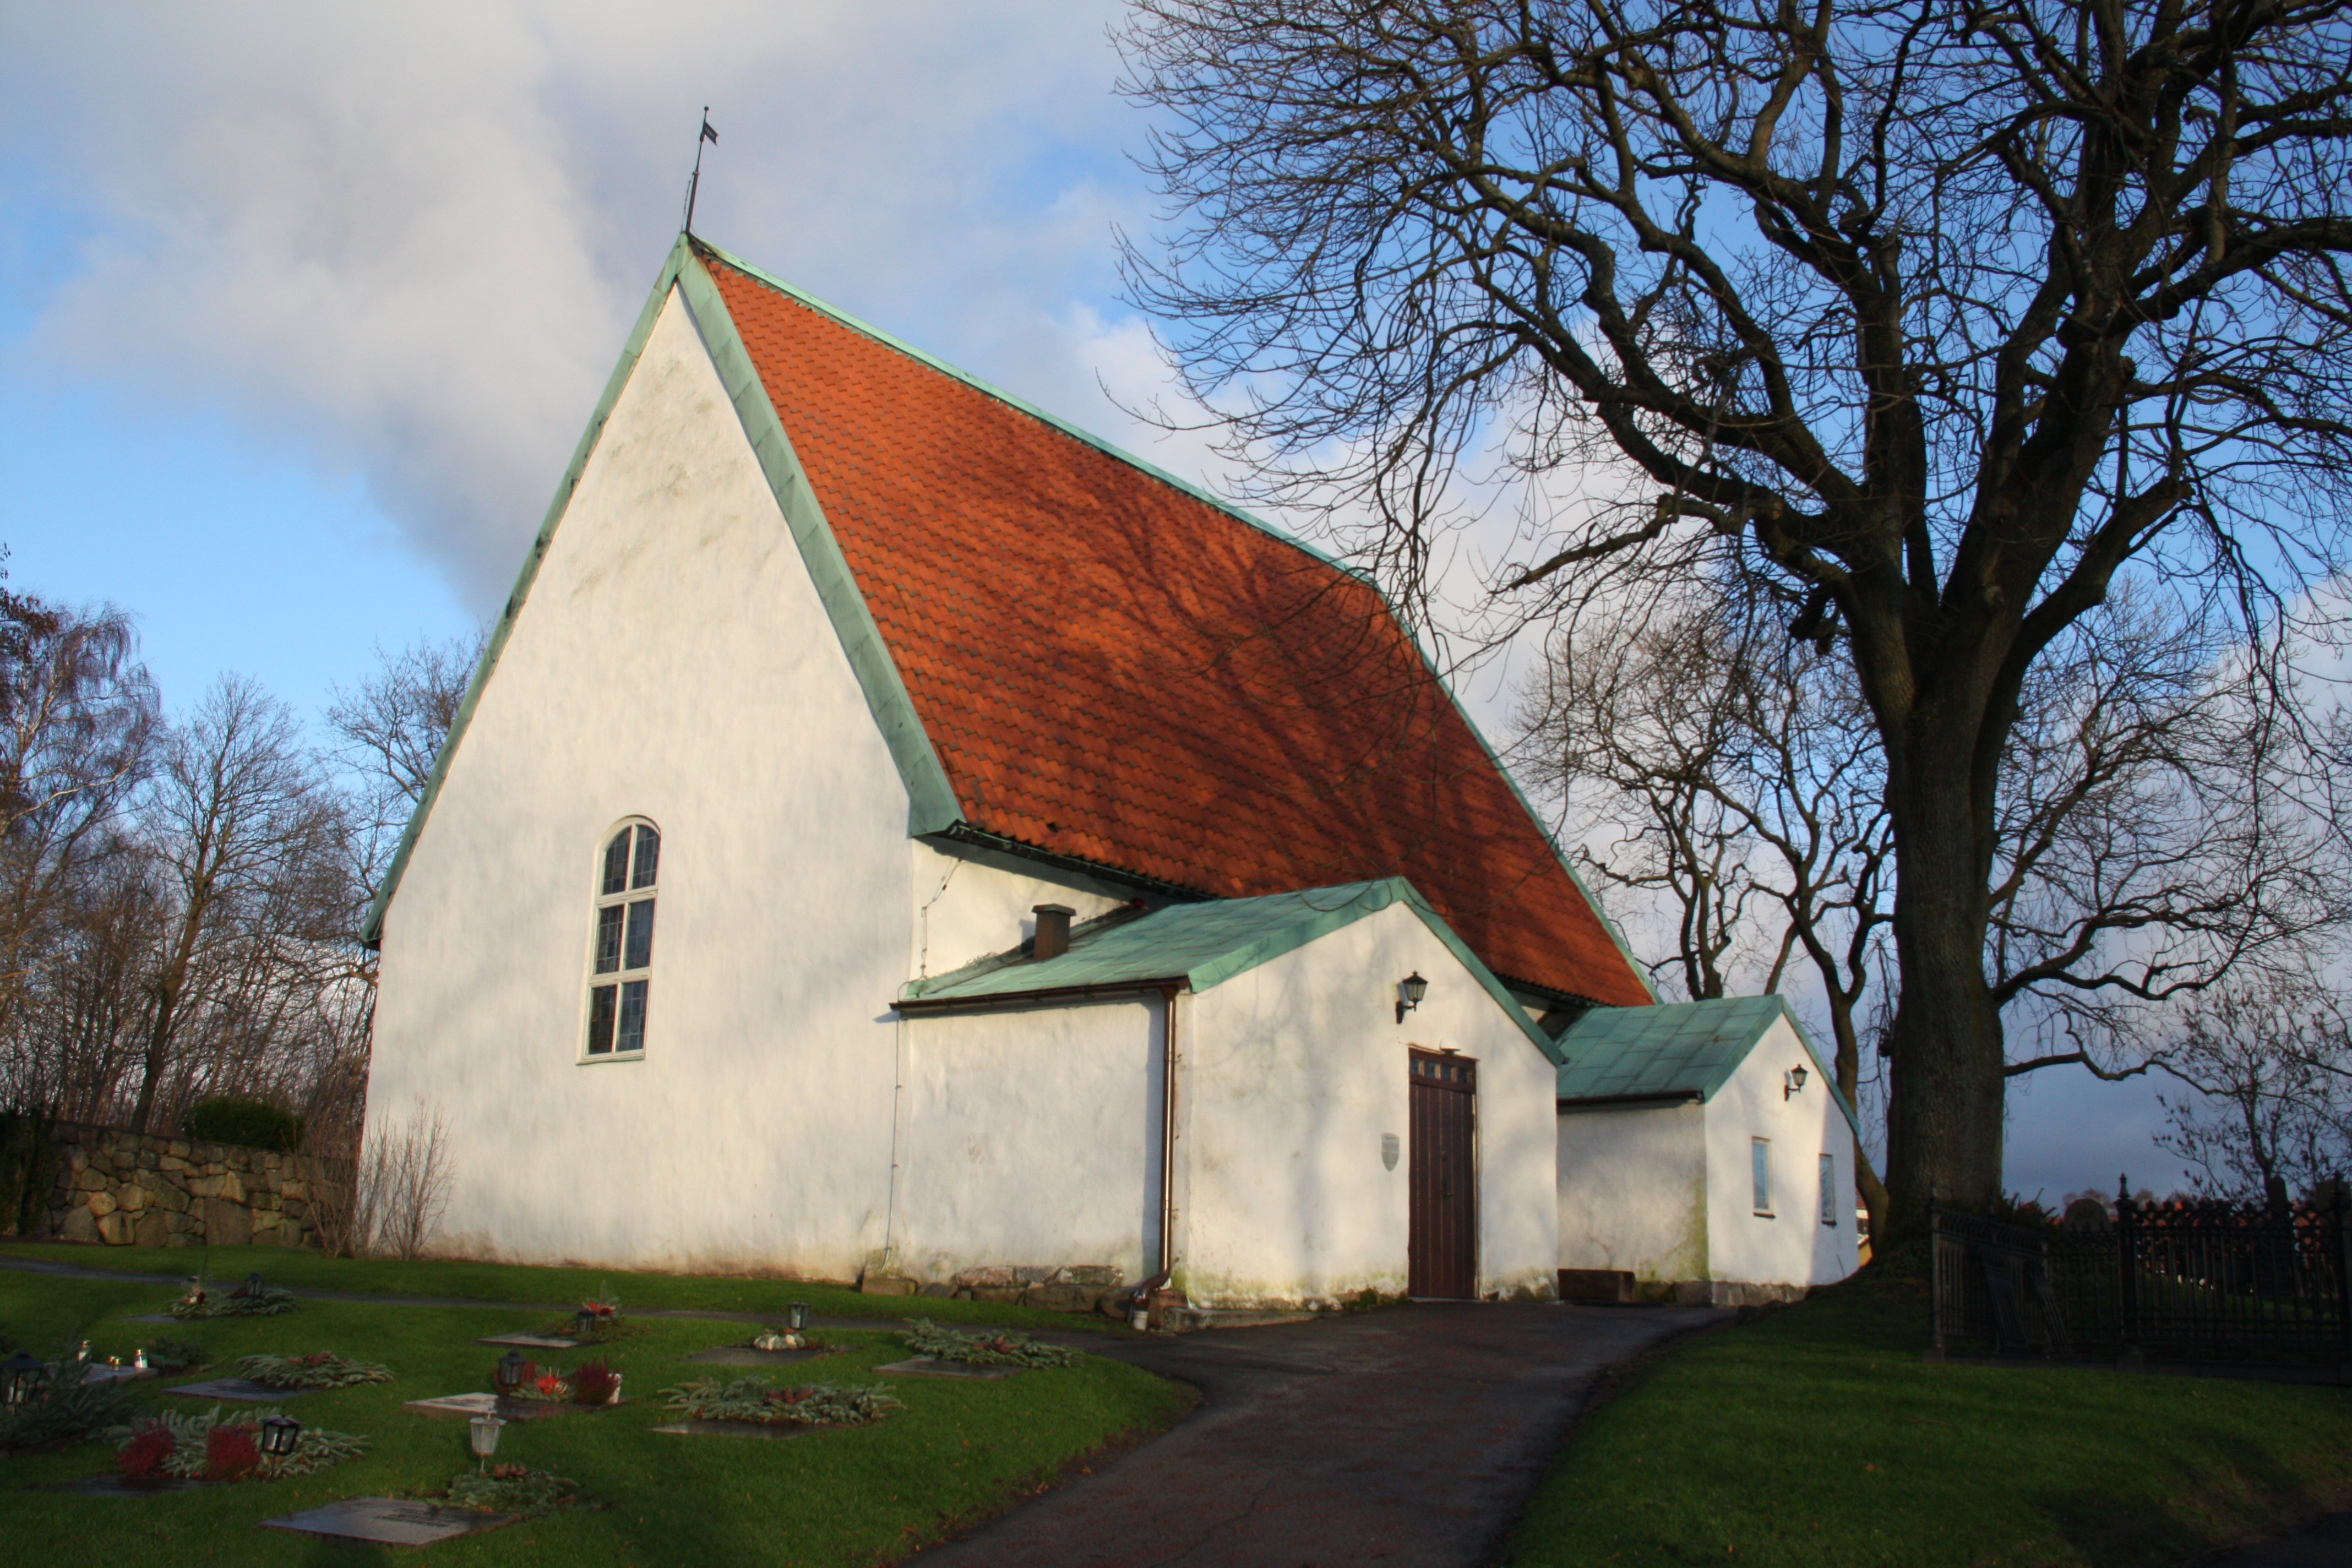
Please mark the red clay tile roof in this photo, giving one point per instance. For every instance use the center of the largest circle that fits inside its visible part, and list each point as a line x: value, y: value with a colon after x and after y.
x: 1115, y: 671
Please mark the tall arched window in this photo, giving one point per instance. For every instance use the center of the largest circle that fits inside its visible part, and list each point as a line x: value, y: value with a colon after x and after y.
x: 624, y: 950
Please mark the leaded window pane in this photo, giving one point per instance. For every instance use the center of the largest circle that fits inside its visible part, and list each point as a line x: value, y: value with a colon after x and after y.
x: 1761, y: 1159
x: 631, y: 1034
x: 639, y: 950
x: 648, y: 857
x: 600, y: 1021
x: 1829, y: 1190
x: 616, y: 863
x: 608, y: 939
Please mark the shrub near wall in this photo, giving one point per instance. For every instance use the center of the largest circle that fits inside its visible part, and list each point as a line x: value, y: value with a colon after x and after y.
x: 118, y: 1187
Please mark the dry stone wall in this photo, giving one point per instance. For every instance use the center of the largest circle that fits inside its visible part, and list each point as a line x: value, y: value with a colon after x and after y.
x: 120, y: 1188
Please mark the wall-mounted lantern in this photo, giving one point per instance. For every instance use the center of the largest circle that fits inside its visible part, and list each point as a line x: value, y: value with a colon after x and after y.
x: 1792, y: 1082
x: 1409, y: 991
x: 278, y: 1434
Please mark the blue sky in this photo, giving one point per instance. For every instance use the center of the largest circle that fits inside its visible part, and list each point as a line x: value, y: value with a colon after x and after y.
x: 301, y: 308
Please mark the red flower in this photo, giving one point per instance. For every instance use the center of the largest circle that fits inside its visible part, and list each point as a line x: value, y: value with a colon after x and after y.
x: 231, y: 1453
x: 146, y: 1453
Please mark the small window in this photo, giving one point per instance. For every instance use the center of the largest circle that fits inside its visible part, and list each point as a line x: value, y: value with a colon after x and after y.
x: 1828, y: 1191
x: 621, y: 948
x: 1759, y: 1155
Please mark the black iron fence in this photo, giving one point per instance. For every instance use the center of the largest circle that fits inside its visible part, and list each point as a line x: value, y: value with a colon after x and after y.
x: 2181, y: 1280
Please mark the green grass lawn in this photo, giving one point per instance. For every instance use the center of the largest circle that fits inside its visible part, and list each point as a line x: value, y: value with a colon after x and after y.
x: 960, y: 1451
x: 1817, y: 1436
x: 304, y: 1271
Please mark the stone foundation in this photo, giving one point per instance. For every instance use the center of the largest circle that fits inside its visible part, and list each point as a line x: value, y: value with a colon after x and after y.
x: 120, y: 1188
x: 1071, y: 1288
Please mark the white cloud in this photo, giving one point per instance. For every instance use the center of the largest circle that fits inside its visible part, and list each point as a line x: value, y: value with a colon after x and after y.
x: 408, y: 240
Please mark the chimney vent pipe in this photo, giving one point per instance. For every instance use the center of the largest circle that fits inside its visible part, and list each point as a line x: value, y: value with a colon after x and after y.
x: 1053, y: 931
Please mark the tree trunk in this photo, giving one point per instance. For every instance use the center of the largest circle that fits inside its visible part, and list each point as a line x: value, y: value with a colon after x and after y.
x: 1944, y: 1122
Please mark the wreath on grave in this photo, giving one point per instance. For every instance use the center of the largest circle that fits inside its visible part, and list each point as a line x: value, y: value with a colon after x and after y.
x: 784, y: 1339
x: 214, y: 1448
x: 760, y: 1403
x: 513, y: 1488
x: 322, y: 1369
x: 253, y: 1298
x: 167, y: 1356
x: 1003, y: 1348
x: 591, y: 1383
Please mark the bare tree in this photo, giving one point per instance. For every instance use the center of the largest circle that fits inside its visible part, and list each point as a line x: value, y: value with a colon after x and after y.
x: 78, y: 717
x: 238, y: 822
x: 394, y: 723
x: 1744, y: 786
x: 2269, y: 1065
x: 400, y: 1188
x: 1922, y: 327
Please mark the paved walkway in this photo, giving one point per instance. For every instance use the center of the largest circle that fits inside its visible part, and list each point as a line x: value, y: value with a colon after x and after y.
x: 1414, y: 1436
x: 2327, y: 1544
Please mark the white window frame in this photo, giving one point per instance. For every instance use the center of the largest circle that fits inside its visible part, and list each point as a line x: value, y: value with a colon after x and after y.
x: 624, y: 976
x: 1759, y: 1175
x: 1830, y: 1205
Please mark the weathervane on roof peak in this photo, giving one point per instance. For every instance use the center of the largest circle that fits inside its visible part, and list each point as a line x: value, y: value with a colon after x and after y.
x: 695, y: 184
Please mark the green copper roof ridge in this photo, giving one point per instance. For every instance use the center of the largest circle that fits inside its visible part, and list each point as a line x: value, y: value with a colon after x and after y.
x: 1772, y: 1003
x: 931, y: 803
x: 1014, y: 401
x: 371, y: 924
x: 1365, y: 898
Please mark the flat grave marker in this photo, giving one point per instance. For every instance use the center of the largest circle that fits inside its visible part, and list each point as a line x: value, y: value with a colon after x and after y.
x: 531, y: 1341
x: 390, y: 1521
x: 152, y: 1318
x: 127, y: 1486
x: 466, y: 1406
x: 774, y: 1431
x: 747, y: 1355
x: 237, y: 1388
x: 931, y: 1366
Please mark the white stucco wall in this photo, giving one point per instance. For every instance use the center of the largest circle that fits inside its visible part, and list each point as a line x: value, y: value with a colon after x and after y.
x: 1633, y: 1192
x: 1032, y: 1137
x: 1288, y: 1077
x: 1793, y: 1247
x: 968, y: 906
x: 672, y: 661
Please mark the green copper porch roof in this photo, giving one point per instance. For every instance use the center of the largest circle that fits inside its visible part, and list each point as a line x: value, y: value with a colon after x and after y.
x: 1682, y: 1048
x: 1198, y: 946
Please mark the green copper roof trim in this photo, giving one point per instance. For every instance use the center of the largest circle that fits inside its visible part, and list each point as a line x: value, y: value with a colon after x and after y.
x: 1197, y: 494
x: 1225, y: 938
x: 1677, y: 1048
x: 931, y: 805
x: 371, y: 928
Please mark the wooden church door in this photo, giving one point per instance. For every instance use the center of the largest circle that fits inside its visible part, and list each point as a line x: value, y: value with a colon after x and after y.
x: 1443, y: 1241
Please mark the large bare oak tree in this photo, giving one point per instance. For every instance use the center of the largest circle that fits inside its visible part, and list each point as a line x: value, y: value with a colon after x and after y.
x: 1930, y: 324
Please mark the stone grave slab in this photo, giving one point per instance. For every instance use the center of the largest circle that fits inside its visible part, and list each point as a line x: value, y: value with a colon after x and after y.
x: 466, y: 1406
x: 152, y: 1318
x: 237, y: 1388
x: 103, y: 1373
x: 390, y: 1521
x: 745, y: 1355
x: 931, y: 1366
x: 775, y: 1432
x: 531, y: 1341
x: 127, y: 1486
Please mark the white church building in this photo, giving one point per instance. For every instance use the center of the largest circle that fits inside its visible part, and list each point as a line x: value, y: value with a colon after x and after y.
x: 892, y: 835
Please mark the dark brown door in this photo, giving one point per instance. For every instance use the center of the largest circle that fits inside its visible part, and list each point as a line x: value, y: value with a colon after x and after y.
x: 1443, y: 1240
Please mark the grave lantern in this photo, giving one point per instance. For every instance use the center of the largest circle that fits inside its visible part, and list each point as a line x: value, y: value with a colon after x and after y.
x: 253, y: 1286
x: 277, y: 1436
x: 20, y: 1378
x: 509, y: 1375
x: 796, y: 1316
x: 484, y: 1438
x: 584, y: 1323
